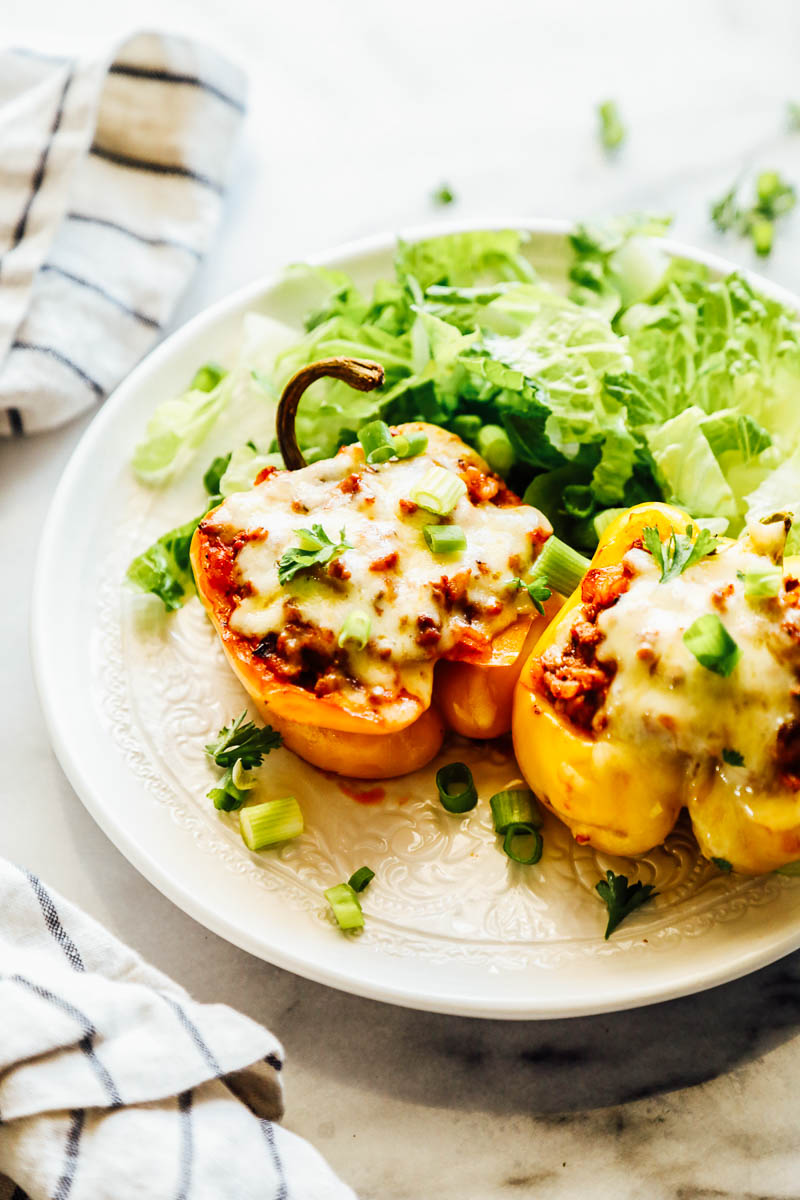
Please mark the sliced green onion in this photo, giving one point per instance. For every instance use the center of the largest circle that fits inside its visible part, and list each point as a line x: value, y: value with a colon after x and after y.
x: 360, y: 878
x: 792, y: 868
x: 712, y: 645
x: 242, y: 779
x: 346, y: 906
x: 515, y: 806
x: 495, y: 446
x: 521, y: 830
x: 445, y: 539
x: 275, y: 821
x: 562, y: 566
x: 467, y: 426
x: 762, y: 231
x: 376, y: 441
x: 457, y: 790
x: 356, y: 628
x: 763, y: 584
x: 207, y: 378
x: 439, y: 492
x: 409, y: 445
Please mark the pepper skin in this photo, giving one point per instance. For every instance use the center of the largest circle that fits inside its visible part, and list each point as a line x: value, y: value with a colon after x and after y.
x: 476, y: 700
x: 607, y: 796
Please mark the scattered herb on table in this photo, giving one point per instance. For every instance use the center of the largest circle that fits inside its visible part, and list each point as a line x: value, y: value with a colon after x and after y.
x: 612, y: 129
x: 444, y: 195
x: 774, y: 197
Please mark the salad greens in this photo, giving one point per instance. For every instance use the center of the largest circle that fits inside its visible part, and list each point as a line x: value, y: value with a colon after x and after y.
x: 639, y: 377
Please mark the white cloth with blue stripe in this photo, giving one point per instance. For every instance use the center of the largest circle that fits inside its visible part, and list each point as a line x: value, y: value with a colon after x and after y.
x: 115, y: 1084
x: 113, y: 178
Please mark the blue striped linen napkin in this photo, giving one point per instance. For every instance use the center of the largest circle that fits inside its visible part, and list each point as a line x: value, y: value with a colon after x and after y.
x: 113, y: 174
x: 115, y: 1084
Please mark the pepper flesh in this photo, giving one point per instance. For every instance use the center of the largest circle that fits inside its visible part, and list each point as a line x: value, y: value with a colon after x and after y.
x: 597, y: 787
x: 622, y: 802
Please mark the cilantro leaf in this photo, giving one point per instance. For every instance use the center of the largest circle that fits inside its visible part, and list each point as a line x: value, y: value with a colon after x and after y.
x: 315, y: 550
x: 621, y: 898
x: 722, y: 864
x: 732, y: 757
x: 243, y: 741
x: 538, y: 590
x: 240, y: 742
x: 679, y: 551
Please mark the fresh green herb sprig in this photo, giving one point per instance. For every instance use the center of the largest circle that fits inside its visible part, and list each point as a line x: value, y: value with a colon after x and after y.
x: 538, y: 591
x: 723, y: 865
x: 612, y: 129
x: 774, y: 197
x: 679, y: 551
x: 732, y: 757
x: 316, y: 549
x: 237, y: 748
x: 444, y: 195
x: 621, y: 898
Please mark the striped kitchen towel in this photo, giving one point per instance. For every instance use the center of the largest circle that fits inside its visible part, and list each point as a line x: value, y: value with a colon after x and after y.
x: 115, y: 1084
x: 112, y: 176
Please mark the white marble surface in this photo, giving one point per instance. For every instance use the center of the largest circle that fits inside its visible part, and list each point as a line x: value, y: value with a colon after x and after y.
x: 358, y: 111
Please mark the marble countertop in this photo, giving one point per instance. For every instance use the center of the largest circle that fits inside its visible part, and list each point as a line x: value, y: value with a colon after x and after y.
x: 358, y: 112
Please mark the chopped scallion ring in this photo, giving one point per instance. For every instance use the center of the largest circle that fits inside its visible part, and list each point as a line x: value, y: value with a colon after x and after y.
x: 762, y: 585
x: 356, y: 628
x: 346, y: 906
x: 712, y: 645
x: 439, y: 491
x: 445, y: 539
x: 457, y: 790
x: 523, y: 829
x: 495, y: 446
x: 410, y: 445
x: 266, y: 824
x: 360, y: 878
x: 515, y: 806
x: 562, y: 567
x: 376, y: 442
x: 241, y: 778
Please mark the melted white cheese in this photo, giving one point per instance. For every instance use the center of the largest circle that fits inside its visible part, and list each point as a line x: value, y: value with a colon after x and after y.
x: 501, y: 542
x: 662, y: 695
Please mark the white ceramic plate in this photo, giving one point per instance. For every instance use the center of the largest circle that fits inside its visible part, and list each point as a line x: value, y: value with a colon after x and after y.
x: 451, y: 924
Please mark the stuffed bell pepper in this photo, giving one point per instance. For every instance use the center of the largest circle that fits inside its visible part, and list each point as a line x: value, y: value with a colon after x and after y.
x: 369, y: 601
x: 671, y: 678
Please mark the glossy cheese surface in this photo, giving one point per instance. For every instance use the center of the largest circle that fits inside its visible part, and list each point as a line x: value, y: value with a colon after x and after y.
x: 421, y: 605
x: 660, y: 693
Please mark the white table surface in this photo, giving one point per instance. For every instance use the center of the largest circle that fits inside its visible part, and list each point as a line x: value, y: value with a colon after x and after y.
x: 696, y: 1098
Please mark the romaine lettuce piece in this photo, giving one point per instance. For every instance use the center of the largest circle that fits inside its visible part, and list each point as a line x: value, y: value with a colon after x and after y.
x: 686, y: 468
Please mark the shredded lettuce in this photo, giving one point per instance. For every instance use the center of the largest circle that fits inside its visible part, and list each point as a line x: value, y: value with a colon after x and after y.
x: 643, y: 377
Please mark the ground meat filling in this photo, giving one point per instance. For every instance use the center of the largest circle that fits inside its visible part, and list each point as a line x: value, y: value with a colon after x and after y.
x: 570, y: 676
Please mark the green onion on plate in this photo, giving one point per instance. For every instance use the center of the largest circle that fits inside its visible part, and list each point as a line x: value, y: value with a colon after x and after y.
x: 274, y: 821
x: 456, y: 786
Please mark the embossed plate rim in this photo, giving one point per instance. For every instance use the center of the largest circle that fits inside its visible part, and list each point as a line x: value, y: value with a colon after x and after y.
x: 151, y: 839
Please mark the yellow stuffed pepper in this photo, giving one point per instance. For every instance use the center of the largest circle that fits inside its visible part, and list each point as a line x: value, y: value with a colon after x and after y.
x: 670, y: 678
